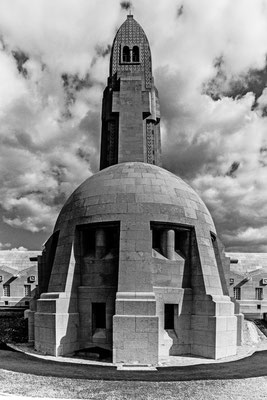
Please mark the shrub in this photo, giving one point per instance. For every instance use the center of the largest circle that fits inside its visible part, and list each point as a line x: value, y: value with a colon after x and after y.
x: 13, y: 328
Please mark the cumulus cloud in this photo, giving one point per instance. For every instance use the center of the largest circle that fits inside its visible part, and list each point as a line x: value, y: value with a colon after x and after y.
x: 21, y: 248
x: 51, y: 81
x: 209, y: 62
x: 4, y: 246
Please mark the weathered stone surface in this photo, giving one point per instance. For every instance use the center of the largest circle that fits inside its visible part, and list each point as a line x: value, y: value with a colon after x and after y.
x: 133, y: 264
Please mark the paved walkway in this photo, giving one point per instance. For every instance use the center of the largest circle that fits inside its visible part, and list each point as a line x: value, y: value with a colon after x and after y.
x: 21, y: 371
x: 174, y: 361
x: 189, y: 368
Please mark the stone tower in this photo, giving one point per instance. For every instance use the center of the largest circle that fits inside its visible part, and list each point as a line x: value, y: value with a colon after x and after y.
x: 134, y: 264
x: 130, y: 111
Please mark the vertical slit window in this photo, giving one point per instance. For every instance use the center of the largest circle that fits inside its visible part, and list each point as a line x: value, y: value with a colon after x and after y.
x: 88, y: 242
x: 6, y: 290
x: 156, y: 240
x: 99, y: 316
x: 258, y: 293
x: 237, y: 293
x: 135, y: 54
x: 169, y: 316
x: 27, y: 290
x: 126, y: 54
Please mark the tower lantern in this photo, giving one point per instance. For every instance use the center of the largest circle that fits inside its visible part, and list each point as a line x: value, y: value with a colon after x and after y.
x: 130, y: 110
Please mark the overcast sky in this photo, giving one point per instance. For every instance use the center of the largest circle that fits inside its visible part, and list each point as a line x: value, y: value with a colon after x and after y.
x: 209, y: 63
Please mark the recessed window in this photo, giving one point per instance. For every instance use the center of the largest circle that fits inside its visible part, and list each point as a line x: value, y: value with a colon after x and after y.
x: 27, y: 290
x: 169, y: 312
x: 6, y: 290
x: 136, y: 55
x: 100, y: 241
x: 126, y: 54
x: 258, y: 293
x: 172, y: 242
x: 156, y: 240
x: 98, y: 316
x: 237, y: 293
x: 6, y: 303
x: 182, y: 242
x: 88, y: 242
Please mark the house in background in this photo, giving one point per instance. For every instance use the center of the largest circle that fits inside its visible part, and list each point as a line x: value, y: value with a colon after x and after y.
x: 18, y: 277
x: 248, y: 283
x: 247, y: 280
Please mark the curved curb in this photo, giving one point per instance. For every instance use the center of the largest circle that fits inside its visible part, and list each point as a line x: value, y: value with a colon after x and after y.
x: 176, y: 361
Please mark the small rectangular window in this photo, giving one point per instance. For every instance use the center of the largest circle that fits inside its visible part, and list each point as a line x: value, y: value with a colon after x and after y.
x: 169, y: 311
x: 258, y: 293
x: 27, y: 290
x: 237, y: 293
x: 98, y: 316
x: 6, y: 290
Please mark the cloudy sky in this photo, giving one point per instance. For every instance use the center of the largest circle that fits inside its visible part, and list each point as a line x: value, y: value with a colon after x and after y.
x: 209, y: 63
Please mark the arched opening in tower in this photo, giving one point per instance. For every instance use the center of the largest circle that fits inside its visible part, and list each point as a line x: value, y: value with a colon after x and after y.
x: 135, y: 54
x: 126, y: 54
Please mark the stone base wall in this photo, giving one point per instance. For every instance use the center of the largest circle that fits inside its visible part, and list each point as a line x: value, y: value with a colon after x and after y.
x: 135, y: 339
x: 55, y: 326
x: 135, y: 329
x: 88, y: 336
x: 214, y: 327
x: 176, y: 341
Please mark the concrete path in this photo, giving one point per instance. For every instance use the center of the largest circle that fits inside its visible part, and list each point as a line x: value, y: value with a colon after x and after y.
x: 171, y: 361
x: 254, y: 365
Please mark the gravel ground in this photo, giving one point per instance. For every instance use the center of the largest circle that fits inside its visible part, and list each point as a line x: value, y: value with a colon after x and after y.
x: 47, y: 379
x: 36, y: 386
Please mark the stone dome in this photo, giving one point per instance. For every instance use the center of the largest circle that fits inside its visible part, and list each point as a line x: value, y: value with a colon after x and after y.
x: 134, y: 265
x: 122, y: 190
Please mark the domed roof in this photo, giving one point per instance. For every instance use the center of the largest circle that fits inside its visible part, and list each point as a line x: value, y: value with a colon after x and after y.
x: 134, y: 188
